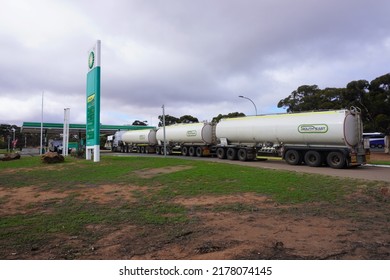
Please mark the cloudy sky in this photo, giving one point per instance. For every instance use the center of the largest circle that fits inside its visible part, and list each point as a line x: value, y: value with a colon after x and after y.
x: 196, y: 57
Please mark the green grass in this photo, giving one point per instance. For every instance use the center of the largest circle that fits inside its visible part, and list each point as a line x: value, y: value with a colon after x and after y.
x: 156, y: 206
x: 221, y: 179
x: 380, y: 162
x: 201, y: 179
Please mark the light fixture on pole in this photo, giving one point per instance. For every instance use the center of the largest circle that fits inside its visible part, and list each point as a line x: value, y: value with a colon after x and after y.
x: 241, y: 96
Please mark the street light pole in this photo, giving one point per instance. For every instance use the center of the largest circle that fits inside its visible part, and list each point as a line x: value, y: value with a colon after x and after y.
x: 241, y: 96
x: 165, y: 138
x: 41, y: 145
x: 13, y: 139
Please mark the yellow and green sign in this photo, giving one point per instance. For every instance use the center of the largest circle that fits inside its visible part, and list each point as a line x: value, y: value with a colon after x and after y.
x: 93, y: 99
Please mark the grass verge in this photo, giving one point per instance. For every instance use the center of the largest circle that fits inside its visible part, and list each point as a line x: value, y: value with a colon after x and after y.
x: 152, y: 200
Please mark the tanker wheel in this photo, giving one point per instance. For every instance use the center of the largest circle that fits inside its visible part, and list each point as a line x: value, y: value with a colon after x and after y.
x: 142, y: 150
x: 313, y: 158
x: 242, y: 155
x: 191, y: 151
x: 158, y: 150
x: 184, y: 151
x: 336, y: 160
x: 231, y: 154
x: 293, y: 157
x: 221, y: 153
x: 199, y: 151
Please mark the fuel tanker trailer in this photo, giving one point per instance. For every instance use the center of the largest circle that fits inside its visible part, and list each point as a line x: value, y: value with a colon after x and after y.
x: 194, y: 139
x: 141, y: 141
x: 314, y: 138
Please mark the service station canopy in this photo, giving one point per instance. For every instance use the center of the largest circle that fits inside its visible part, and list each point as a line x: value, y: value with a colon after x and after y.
x: 35, y: 127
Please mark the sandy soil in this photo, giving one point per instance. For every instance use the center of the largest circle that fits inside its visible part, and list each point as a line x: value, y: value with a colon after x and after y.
x: 258, y: 229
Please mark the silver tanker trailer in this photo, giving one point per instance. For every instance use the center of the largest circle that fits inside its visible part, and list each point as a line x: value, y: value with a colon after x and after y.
x: 142, y: 141
x: 193, y: 139
x: 314, y: 138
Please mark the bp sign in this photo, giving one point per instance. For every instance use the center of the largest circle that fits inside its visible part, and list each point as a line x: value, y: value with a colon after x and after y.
x: 93, y: 103
x: 91, y: 59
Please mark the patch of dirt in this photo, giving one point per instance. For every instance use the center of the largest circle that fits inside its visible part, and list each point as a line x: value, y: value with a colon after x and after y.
x: 29, y: 199
x: 150, y: 173
x: 109, y: 193
x: 246, y: 198
x: 21, y: 200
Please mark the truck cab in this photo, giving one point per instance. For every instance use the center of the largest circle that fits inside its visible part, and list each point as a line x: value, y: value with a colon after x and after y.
x: 376, y: 139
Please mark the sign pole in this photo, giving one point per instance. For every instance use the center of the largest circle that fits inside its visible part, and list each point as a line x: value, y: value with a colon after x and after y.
x: 65, y: 134
x: 165, y: 138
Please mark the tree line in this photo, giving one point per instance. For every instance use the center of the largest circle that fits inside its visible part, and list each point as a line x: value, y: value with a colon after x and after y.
x: 169, y: 120
x: 373, y: 98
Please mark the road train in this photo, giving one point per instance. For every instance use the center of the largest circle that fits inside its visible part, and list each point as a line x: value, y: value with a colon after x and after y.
x: 332, y: 138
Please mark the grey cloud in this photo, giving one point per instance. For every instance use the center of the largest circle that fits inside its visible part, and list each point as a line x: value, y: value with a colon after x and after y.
x: 201, y: 52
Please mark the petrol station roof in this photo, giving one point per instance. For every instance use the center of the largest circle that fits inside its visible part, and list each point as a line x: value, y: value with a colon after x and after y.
x: 35, y: 127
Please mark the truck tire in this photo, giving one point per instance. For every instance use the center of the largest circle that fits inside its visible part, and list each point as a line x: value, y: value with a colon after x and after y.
x: 293, y: 157
x: 336, y: 160
x: 221, y: 153
x: 158, y: 150
x: 191, y: 151
x: 199, y: 151
x: 242, y: 155
x: 231, y: 154
x: 313, y: 158
x: 184, y: 151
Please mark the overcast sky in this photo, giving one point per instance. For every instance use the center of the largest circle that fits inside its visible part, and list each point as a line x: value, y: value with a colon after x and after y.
x: 194, y: 56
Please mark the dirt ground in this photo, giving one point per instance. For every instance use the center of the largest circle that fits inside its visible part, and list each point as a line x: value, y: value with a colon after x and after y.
x: 263, y: 230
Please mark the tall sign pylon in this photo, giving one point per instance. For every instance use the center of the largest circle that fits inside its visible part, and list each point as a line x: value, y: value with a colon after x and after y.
x: 93, y: 104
